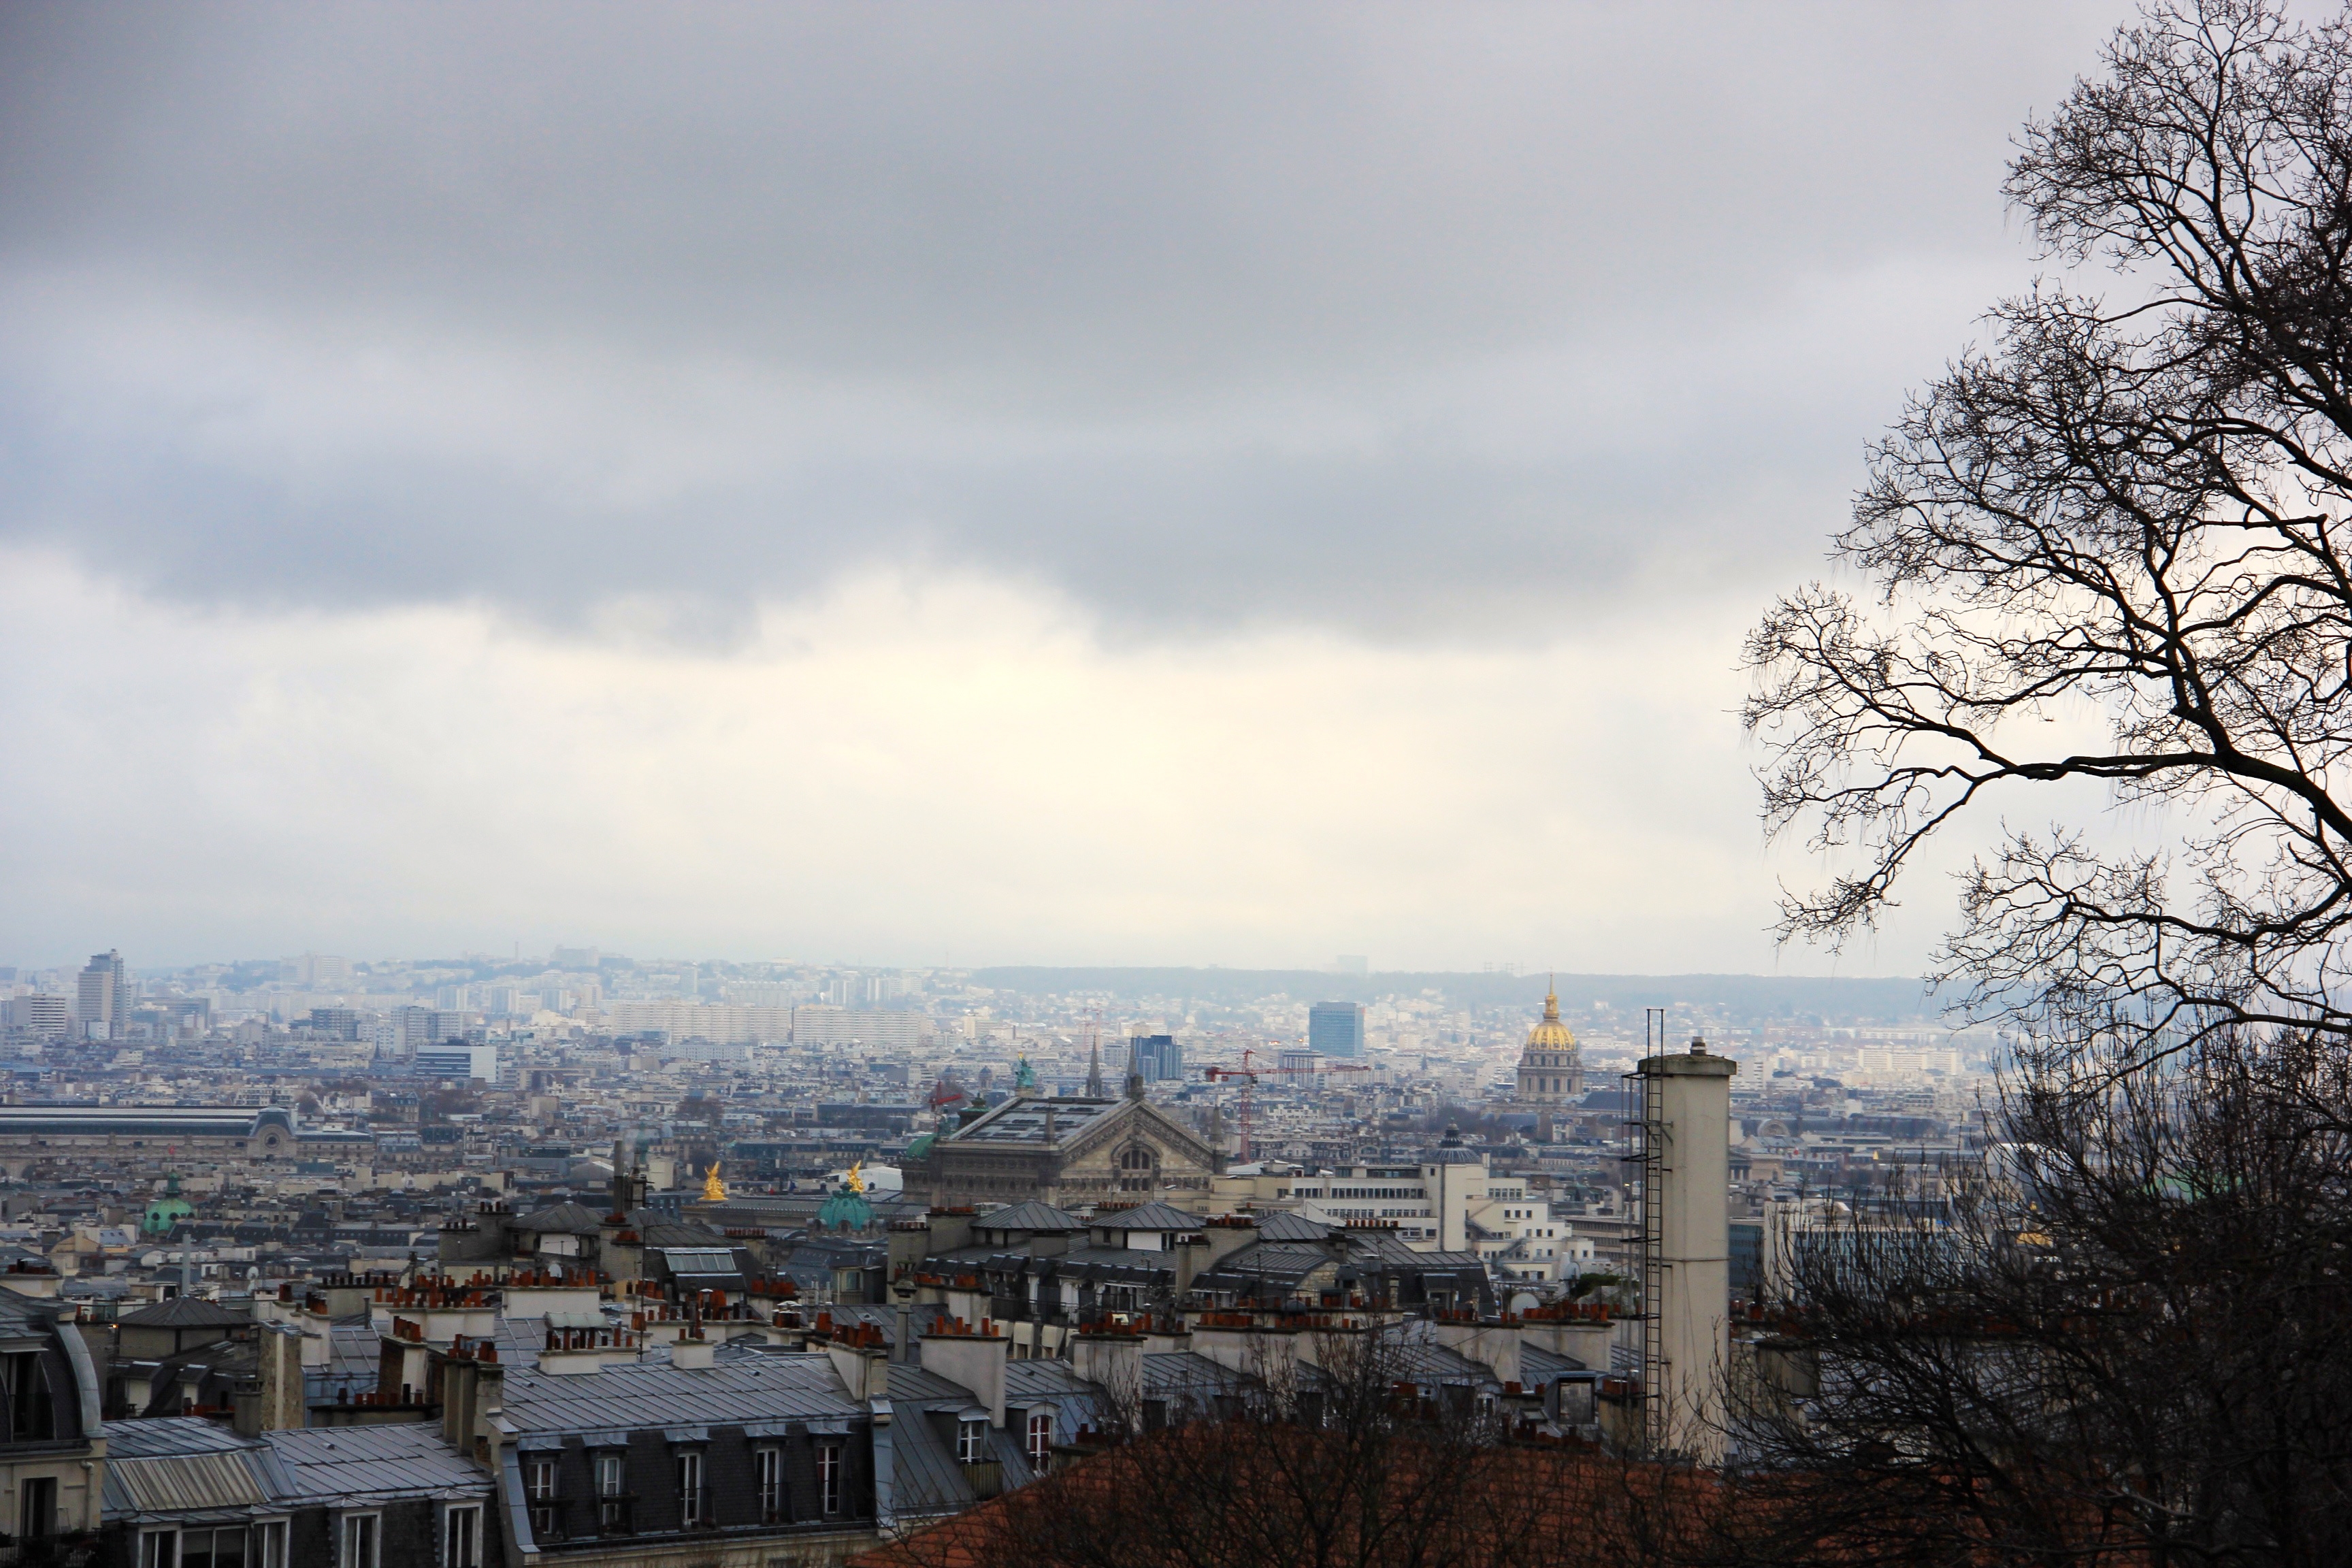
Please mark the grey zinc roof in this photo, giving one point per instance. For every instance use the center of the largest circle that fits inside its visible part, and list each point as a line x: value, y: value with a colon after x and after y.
x: 1270, y: 1261
x: 170, y: 1435
x: 354, y: 1362
x: 926, y: 1478
x: 1284, y: 1226
x: 1135, y: 1264
x: 911, y: 1384
x: 560, y: 1219
x: 757, y: 1391
x: 21, y: 1314
x: 1023, y: 1121
x: 185, y: 1313
x: 1188, y: 1376
x: 1425, y: 1361
x: 1149, y: 1216
x: 189, y: 1468
x: 1055, y: 1385
x: 1044, y: 1379
x: 1033, y: 1217
x: 341, y: 1464
x: 1539, y: 1366
x: 200, y: 1483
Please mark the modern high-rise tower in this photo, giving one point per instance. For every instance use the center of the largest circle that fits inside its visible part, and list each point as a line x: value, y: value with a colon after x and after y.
x: 1336, y: 1029
x: 103, y: 996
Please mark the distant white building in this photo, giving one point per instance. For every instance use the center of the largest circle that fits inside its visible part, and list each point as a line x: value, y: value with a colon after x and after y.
x: 447, y: 1060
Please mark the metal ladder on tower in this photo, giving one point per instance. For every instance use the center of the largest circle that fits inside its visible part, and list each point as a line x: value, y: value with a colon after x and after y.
x: 1650, y: 1148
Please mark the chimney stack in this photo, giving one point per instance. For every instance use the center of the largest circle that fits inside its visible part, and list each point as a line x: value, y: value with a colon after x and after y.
x: 1687, y: 1248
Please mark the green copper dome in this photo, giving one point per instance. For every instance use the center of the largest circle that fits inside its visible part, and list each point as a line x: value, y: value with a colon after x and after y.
x: 846, y: 1209
x: 163, y: 1213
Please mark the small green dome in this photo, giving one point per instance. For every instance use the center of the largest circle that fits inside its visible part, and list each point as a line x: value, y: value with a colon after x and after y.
x: 846, y: 1210
x: 163, y: 1213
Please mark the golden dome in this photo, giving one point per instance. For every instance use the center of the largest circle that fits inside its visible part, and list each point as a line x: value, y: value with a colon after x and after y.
x: 1551, y: 1034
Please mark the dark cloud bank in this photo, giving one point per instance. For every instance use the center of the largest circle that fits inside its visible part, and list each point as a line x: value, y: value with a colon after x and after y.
x: 1403, y: 321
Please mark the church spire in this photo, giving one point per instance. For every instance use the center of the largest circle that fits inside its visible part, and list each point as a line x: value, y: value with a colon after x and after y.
x: 1135, y: 1067
x: 1093, y: 1069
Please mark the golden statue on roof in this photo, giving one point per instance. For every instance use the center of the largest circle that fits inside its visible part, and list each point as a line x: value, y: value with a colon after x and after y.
x: 714, y: 1191
x: 856, y: 1183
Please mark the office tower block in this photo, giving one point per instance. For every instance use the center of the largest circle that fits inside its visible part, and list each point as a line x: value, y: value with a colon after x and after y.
x: 1336, y: 1029
x: 1161, y: 1059
x: 103, y: 996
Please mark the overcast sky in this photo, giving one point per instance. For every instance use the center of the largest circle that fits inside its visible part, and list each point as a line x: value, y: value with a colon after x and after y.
x: 988, y: 483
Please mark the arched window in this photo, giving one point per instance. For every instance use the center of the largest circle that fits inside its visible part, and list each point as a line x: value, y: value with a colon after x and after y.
x: 1137, y: 1167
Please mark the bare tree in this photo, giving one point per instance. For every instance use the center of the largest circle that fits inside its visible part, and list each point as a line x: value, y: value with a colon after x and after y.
x: 2125, y: 1338
x: 2130, y: 512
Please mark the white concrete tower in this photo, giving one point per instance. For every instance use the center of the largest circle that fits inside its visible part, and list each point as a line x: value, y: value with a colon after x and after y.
x: 1686, y: 1178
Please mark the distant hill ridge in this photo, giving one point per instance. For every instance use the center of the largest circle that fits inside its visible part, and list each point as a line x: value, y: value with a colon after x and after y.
x: 1754, y: 995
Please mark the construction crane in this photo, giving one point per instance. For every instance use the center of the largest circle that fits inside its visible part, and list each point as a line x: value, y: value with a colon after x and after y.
x: 1248, y: 1073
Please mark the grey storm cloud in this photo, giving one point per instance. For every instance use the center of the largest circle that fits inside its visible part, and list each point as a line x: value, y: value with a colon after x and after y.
x: 1396, y: 320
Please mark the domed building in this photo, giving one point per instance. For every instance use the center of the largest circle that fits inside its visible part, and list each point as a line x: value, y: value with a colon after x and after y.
x: 1550, y: 1072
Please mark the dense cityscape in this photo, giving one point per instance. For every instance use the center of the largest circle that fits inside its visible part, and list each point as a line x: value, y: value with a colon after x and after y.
x: 1078, y: 569
x: 500, y: 1164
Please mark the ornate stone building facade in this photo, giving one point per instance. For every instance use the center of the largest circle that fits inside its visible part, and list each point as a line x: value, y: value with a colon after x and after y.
x: 1069, y: 1152
x: 1552, y: 1072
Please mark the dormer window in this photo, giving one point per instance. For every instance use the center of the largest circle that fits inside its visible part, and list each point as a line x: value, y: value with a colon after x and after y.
x: 1040, y: 1446
x: 971, y: 1441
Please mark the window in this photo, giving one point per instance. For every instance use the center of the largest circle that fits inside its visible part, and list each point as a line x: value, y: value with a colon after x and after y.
x: 213, y: 1548
x: 461, y: 1538
x: 829, y: 1477
x: 36, y: 1507
x: 689, y: 1489
x: 538, y: 1486
x: 362, y: 1537
x: 269, y: 1544
x: 1040, y: 1447
x: 768, y: 1464
x: 971, y: 1442
x: 159, y: 1548
x: 612, y: 1491
x: 31, y: 1416
x: 1136, y: 1167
